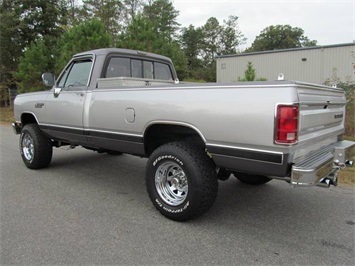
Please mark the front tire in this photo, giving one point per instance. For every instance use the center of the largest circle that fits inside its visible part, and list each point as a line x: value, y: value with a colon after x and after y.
x: 181, y: 180
x: 35, y: 148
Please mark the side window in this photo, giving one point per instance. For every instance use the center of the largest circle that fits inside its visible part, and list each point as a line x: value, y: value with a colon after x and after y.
x: 76, y: 75
x: 118, y: 67
x: 162, y: 71
x: 148, y: 70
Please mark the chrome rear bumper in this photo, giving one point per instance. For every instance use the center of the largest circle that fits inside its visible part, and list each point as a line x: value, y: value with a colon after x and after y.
x: 321, y: 167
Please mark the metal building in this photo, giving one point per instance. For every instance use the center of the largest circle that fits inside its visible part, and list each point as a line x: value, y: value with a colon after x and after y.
x: 311, y: 64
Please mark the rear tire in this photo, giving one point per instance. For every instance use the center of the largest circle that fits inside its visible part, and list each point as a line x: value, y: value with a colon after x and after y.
x: 35, y: 148
x: 181, y: 180
x: 254, y: 180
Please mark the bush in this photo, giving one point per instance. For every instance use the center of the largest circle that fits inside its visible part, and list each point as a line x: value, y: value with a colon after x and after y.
x: 349, y: 87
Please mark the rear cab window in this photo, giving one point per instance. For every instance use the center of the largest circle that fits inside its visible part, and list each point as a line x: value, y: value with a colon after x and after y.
x: 118, y: 66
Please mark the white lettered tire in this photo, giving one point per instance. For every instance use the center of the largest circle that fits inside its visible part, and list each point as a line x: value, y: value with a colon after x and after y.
x: 181, y: 180
x: 35, y: 148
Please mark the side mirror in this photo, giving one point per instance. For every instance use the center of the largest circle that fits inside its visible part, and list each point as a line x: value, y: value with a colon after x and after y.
x: 48, y: 79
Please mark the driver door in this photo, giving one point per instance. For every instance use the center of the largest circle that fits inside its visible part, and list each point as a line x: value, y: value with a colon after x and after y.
x: 65, y: 105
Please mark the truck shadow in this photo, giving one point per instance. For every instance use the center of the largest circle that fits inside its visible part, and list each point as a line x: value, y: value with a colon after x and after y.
x: 276, y: 204
x: 276, y: 207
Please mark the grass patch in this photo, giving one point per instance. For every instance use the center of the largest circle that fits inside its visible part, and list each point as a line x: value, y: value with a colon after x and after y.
x: 349, y: 138
x: 6, y: 115
x: 347, y: 176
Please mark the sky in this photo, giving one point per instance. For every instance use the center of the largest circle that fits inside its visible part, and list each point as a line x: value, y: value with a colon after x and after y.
x: 328, y: 21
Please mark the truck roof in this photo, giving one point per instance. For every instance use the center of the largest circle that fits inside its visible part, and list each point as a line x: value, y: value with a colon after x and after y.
x: 105, y: 51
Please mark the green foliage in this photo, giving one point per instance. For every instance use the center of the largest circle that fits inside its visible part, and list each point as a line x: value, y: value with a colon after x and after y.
x: 85, y: 36
x: 130, y: 9
x: 163, y: 16
x: 142, y: 35
x: 4, y: 94
x: 250, y: 74
x: 75, y: 14
x: 38, y: 19
x: 201, y: 45
x: 154, y: 31
x: 191, y: 40
x: 280, y: 37
x: 33, y: 63
x: 10, y: 48
x: 173, y: 51
x: 209, y: 72
x: 150, y: 29
x: 42, y: 35
x: 231, y: 37
x: 23, y: 24
x: 348, y: 86
x: 210, y: 41
x: 107, y: 11
x: 192, y: 80
x: 41, y: 57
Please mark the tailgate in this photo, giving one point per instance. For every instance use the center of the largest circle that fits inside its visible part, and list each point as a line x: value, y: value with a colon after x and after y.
x: 321, y: 116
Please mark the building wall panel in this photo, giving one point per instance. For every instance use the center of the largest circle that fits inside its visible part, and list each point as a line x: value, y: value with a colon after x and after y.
x: 315, y: 64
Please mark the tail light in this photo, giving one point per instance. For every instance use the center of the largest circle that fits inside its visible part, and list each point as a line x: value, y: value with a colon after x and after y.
x: 286, y: 124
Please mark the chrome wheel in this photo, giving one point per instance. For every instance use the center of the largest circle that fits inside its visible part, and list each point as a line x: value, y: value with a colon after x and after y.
x: 181, y: 180
x: 28, y: 147
x: 171, y: 183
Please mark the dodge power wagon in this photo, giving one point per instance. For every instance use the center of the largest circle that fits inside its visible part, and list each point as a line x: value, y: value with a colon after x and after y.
x: 124, y: 101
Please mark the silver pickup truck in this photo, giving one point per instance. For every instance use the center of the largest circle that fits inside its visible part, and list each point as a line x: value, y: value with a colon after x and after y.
x: 123, y: 101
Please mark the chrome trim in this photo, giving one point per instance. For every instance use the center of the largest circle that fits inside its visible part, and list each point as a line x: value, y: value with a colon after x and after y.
x: 91, y: 70
x: 60, y: 126
x: 92, y: 130
x: 243, y: 148
x: 316, y: 86
x: 113, y: 132
x: 171, y: 183
x: 252, y: 160
x: 182, y: 87
x: 305, y: 103
x: 310, y: 173
x: 80, y: 55
x: 323, y: 164
x: 249, y: 149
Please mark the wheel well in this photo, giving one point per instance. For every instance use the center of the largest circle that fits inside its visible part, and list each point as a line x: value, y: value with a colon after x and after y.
x: 28, y: 119
x: 160, y: 134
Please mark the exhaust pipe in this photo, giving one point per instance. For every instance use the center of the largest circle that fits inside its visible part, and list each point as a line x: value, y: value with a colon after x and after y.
x: 349, y: 163
x: 327, y: 181
x: 332, y: 179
